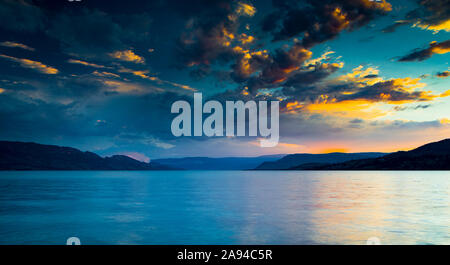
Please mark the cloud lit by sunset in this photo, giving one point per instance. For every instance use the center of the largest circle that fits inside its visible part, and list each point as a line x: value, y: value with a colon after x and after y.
x: 351, y: 76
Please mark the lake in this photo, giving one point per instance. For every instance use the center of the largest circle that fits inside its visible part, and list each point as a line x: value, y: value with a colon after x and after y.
x: 225, y: 207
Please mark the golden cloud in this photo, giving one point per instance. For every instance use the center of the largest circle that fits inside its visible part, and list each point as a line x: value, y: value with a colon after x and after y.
x: 245, y: 9
x: 423, y: 54
x: 38, y: 66
x: 443, y: 74
x: 12, y: 44
x: 361, y: 76
x: 129, y: 88
x: 350, y: 108
x: 141, y: 73
x: 444, y: 25
x: 144, y: 74
x: 439, y: 49
x: 105, y: 74
x: 127, y: 56
x: 75, y: 61
x: 246, y: 39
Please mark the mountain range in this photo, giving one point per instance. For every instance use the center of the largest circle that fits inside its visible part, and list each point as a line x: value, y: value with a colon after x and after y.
x: 33, y: 156
x: 298, y: 160
x: 221, y: 163
x: 432, y: 156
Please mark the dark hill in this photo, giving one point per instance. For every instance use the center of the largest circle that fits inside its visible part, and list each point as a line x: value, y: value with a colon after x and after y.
x: 220, y: 163
x: 33, y: 156
x: 432, y: 156
x: 295, y: 160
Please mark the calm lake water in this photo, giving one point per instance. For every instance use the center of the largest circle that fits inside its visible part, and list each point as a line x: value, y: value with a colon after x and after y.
x: 224, y: 207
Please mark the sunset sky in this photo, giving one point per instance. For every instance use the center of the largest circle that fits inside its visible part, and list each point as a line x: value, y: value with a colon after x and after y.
x: 350, y: 75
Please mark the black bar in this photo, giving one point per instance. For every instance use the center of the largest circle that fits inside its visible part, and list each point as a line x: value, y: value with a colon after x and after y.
x: 85, y: 254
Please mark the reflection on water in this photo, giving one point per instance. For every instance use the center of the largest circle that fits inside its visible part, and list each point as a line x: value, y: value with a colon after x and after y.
x: 224, y: 207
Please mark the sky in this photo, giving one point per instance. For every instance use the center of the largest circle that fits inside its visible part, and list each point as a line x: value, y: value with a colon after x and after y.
x: 101, y: 76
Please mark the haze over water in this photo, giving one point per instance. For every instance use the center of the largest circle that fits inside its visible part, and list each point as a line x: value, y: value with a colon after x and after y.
x: 225, y: 207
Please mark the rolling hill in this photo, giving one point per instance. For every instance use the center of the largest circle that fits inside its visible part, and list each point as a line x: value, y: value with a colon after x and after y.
x: 432, y: 156
x: 222, y: 163
x: 33, y: 156
x: 295, y: 160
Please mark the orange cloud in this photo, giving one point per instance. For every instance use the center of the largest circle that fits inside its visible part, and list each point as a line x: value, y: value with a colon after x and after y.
x: 129, y: 88
x: 245, y: 9
x: 105, y: 74
x: 359, y: 75
x: 439, y: 49
x: 140, y: 73
x: 423, y: 54
x: 443, y: 74
x: 37, y: 66
x: 445, y: 121
x: 128, y: 56
x: 323, y: 57
x: 444, y: 25
x: 75, y: 61
x: 293, y: 107
x: 144, y: 74
x: 244, y: 65
x: 349, y: 108
x: 246, y: 39
x: 12, y: 44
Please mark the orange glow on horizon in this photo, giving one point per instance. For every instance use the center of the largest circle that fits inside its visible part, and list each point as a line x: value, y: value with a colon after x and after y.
x: 349, y: 108
x: 334, y: 150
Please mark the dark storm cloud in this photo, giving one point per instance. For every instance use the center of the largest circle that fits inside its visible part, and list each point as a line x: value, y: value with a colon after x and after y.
x: 430, y: 14
x: 210, y: 28
x: 443, y: 74
x: 292, y: 69
x: 63, y: 88
x: 116, y: 81
x: 29, y: 117
x: 319, y: 72
x: 276, y: 69
x: 147, y: 117
x: 320, y: 21
x: 148, y: 114
x: 20, y: 15
x: 212, y: 39
x: 205, y: 9
x: 394, y: 91
x: 313, y: 86
x: 383, y: 91
x: 423, y: 54
x: 92, y: 31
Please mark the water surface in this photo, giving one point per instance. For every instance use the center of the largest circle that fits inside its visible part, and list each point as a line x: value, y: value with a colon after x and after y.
x: 224, y: 207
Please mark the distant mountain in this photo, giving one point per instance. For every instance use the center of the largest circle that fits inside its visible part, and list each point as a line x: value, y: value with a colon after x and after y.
x: 297, y: 160
x: 223, y: 163
x: 33, y: 156
x: 432, y: 156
